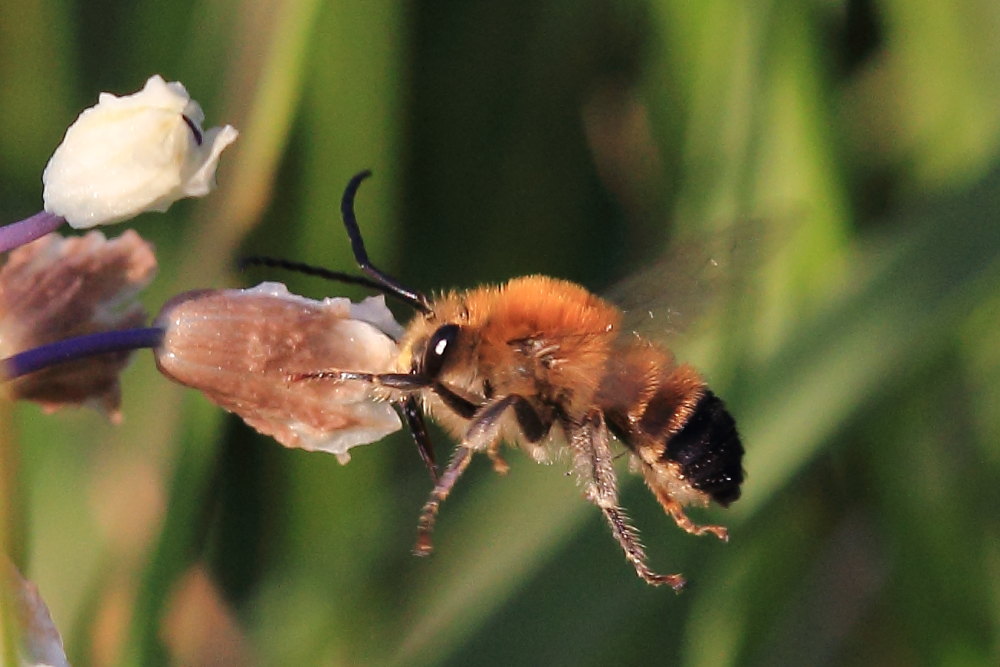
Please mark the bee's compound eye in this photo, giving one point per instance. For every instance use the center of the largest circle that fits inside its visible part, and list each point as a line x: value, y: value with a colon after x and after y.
x: 438, y: 348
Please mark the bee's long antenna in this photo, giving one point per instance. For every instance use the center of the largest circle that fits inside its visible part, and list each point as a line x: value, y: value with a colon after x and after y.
x: 310, y: 270
x: 389, y: 284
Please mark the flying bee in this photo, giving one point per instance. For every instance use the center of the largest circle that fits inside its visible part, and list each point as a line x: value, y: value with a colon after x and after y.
x: 541, y: 362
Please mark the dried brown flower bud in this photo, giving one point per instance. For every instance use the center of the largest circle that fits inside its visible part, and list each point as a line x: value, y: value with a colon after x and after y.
x: 244, y: 348
x: 56, y: 288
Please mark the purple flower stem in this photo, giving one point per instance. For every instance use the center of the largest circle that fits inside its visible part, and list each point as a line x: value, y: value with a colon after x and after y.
x: 25, y: 231
x: 79, y: 347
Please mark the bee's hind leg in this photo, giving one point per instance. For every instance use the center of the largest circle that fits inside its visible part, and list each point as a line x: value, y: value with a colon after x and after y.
x: 676, y: 512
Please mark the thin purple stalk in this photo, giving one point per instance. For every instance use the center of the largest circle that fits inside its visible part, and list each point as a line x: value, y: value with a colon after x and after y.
x: 79, y: 347
x: 16, y: 234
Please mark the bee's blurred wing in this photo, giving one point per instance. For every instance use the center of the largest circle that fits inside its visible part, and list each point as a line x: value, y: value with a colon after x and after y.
x: 693, y: 278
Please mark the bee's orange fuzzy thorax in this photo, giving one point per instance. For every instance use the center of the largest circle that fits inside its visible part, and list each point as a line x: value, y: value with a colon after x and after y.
x: 556, y: 305
x: 540, y: 335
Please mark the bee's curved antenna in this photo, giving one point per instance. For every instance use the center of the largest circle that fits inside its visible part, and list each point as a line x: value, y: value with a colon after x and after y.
x: 379, y: 280
x: 387, y: 283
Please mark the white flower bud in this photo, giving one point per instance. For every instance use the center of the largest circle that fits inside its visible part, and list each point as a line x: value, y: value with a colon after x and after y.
x: 132, y: 154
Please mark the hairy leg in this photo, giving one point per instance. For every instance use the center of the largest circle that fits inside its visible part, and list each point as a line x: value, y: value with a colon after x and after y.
x: 483, y: 434
x: 594, y: 464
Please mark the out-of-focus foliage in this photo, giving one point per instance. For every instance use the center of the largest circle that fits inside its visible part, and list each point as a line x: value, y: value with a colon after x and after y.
x: 850, y: 149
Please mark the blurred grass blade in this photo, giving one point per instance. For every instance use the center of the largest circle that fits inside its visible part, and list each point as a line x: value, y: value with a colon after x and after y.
x: 263, y: 108
x: 176, y: 545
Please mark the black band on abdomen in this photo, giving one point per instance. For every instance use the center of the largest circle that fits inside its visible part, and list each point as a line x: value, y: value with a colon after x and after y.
x: 709, y: 451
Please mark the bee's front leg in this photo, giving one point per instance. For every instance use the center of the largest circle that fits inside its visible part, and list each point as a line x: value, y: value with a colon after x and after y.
x: 483, y: 434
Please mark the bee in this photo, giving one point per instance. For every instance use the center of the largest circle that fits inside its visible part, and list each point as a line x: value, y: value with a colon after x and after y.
x: 541, y: 362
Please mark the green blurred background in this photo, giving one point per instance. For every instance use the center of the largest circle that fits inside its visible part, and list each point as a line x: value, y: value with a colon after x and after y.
x: 847, y: 152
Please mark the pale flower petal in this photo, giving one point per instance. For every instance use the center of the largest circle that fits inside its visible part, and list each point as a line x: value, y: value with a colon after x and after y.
x: 243, y: 349
x: 39, y: 642
x: 131, y: 154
